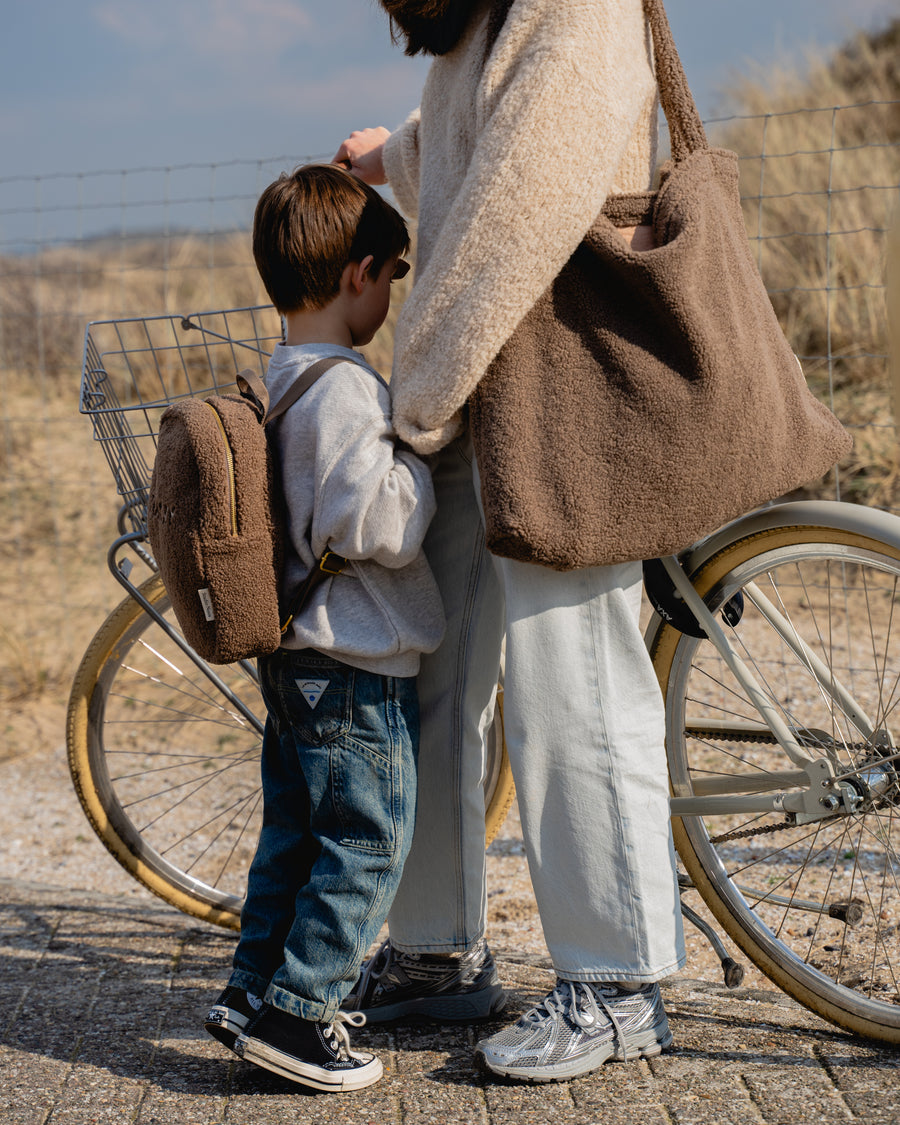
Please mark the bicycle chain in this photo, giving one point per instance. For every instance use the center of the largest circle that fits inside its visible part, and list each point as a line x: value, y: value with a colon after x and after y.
x: 756, y: 738
x: 743, y: 833
x: 751, y: 737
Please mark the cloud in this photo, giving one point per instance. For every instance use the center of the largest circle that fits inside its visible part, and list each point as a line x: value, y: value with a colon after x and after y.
x: 380, y: 95
x: 301, y: 107
x: 226, y: 29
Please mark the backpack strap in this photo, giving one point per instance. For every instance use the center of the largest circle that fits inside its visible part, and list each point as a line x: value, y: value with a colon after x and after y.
x: 330, y: 563
x: 254, y: 390
x: 328, y: 566
x: 302, y: 384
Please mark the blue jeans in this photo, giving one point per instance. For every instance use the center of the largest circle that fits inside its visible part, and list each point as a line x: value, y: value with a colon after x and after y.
x: 339, y: 797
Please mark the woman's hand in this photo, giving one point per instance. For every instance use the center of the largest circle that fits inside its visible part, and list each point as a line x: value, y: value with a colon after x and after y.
x: 361, y: 154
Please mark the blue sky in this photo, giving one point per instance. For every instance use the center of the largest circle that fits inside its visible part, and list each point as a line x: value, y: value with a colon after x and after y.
x: 125, y: 84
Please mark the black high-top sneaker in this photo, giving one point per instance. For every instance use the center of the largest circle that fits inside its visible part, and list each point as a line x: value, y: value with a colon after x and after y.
x: 230, y: 1014
x: 315, y: 1054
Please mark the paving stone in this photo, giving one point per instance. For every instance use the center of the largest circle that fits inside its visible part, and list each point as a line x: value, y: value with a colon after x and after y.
x: 103, y: 1004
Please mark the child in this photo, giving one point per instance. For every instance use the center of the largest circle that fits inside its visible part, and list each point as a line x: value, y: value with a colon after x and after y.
x: 338, y: 754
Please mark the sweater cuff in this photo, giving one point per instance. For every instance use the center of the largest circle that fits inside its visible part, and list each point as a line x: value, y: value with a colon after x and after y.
x: 401, y: 165
x: 429, y: 441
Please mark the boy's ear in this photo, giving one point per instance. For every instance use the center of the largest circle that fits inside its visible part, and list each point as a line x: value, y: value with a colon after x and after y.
x: 359, y: 273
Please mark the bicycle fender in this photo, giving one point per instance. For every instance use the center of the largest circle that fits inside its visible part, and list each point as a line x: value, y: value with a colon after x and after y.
x: 873, y: 522
x: 839, y: 515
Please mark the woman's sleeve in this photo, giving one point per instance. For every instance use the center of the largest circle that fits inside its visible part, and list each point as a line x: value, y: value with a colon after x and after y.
x: 401, y: 164
x: 579, y: 86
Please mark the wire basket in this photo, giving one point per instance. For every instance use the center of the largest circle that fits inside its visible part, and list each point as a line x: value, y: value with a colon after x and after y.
x: 134, y: 368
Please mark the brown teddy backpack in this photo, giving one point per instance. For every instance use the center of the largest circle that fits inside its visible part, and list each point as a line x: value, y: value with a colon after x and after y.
x: 214, y: 519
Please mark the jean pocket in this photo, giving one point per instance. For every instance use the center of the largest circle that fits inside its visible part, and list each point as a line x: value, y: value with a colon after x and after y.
x: 319, y: 705
x: 364, y: 795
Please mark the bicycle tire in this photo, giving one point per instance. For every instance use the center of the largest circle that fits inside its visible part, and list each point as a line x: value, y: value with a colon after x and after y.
x: 838, y: 587
x: 167, y: 769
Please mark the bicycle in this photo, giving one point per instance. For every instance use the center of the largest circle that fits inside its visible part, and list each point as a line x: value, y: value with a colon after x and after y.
x: 771, y: 639
x: 163, y: 747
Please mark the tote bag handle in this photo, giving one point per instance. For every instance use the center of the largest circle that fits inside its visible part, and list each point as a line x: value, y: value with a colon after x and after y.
x: 685, y: 126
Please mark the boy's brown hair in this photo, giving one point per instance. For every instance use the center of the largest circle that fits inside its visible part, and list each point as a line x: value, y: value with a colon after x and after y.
x: 310, y: 223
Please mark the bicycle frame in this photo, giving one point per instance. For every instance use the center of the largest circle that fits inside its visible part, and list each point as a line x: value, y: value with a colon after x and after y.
x: 816, y: 790
x: 813, y: 790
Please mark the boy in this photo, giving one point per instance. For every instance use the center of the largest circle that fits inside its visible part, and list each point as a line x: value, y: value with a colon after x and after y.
x: 338, y: 755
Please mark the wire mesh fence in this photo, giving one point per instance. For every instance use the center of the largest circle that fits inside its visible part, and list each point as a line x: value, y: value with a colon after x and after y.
x: 820, y: 189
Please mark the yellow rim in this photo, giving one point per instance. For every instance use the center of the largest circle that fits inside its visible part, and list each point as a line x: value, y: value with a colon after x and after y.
x: 504, y: 793
x: 101, y: 652
x: 663, y: 655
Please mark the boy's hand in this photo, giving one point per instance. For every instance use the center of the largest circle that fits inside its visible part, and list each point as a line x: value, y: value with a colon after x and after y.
x: 361, y: 154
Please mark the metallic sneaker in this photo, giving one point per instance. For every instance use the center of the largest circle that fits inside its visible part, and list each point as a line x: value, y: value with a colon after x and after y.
x: 451, y: 989
x: 230, y: 1014
x: 315, y: 1054
x: 576, y: 1029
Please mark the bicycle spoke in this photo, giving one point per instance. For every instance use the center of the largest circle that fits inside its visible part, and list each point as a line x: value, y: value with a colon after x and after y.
x: 244, y: 803
x: 183, y: 764
x: 223, y: 762
x: 817, y: 632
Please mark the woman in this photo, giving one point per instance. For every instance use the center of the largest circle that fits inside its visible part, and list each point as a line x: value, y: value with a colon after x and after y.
x: 532, y: 113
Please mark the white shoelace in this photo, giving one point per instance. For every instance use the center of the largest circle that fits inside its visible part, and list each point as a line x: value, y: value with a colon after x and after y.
x: 337, y: 1033
x: 558, y: 1003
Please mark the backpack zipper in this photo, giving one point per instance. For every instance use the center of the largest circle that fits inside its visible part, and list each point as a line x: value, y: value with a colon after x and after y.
x: 229, y: 457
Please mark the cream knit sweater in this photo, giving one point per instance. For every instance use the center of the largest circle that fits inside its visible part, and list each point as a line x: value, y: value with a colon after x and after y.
x: 505, y: 165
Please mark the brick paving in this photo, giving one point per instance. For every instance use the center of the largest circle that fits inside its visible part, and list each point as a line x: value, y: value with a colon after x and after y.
x: 103, y: 999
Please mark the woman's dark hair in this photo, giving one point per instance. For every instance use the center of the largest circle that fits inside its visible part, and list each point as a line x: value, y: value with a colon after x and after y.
x: 434, y: 27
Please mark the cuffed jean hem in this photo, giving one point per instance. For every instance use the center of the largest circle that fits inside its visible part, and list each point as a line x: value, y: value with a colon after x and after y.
x: 249, y: 982
x: 611, y: 974
x: 286, y: 1001
x: 298, y: 1006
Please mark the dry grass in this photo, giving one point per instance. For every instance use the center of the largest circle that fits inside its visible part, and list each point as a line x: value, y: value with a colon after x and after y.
x: 821, y: 192
x: 57, y: 498
x: 825, y: 171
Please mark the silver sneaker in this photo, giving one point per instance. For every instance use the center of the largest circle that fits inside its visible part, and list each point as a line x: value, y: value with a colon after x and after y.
x: 576, y: 1029
x: 425, y: 986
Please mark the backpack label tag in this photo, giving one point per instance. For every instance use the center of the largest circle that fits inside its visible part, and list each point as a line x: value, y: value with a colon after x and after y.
x: 206, y: 601
x: 312, y: 690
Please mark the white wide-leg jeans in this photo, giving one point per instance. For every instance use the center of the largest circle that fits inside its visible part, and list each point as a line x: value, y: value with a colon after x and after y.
x: 584, y: 731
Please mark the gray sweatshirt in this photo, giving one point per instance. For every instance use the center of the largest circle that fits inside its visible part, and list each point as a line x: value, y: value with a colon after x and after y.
x: 349, y: 489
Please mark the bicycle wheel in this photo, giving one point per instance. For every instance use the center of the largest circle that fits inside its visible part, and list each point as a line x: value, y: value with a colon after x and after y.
x: 166, y: 764
x: 813, y: 900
